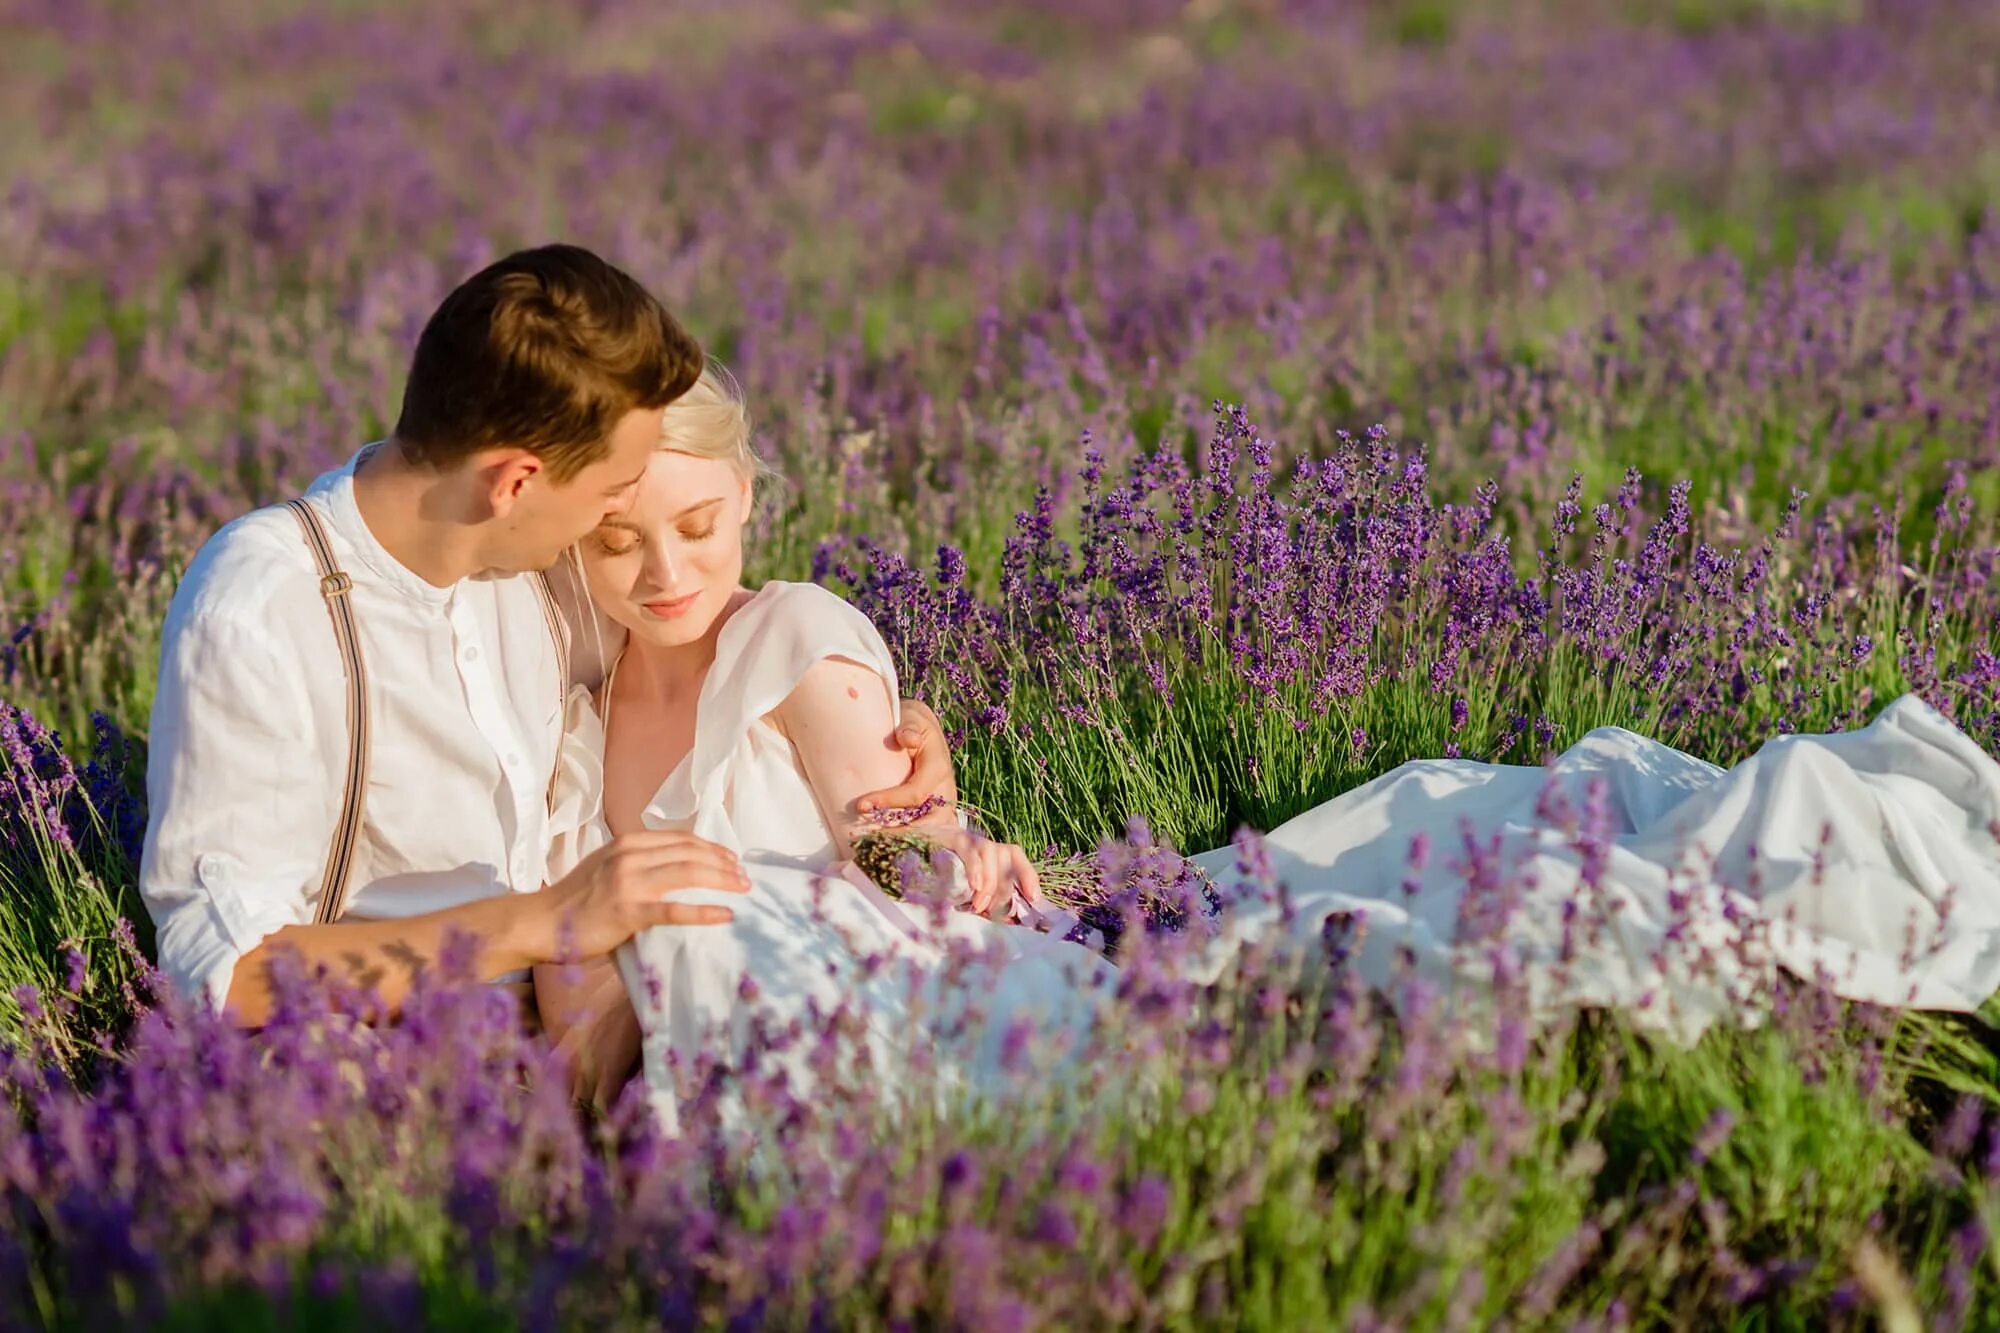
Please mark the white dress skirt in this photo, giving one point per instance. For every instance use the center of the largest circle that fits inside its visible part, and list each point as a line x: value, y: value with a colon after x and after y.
x: 1630, y: 875
x: 1626, y: 874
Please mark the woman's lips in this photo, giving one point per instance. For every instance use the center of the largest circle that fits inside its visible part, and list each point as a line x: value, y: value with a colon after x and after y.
x: 669, y: 608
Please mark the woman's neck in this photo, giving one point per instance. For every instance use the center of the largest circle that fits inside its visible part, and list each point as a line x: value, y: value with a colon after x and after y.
x: 666, y: 675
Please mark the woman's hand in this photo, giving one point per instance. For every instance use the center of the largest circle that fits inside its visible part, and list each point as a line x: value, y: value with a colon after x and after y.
x: 921, y: 736
x: 994, y: 870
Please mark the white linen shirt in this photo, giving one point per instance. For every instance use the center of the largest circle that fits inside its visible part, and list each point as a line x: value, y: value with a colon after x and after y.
x: 248, y: 743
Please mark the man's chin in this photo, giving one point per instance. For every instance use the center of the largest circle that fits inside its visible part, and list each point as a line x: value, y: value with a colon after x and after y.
x: 520, y: 564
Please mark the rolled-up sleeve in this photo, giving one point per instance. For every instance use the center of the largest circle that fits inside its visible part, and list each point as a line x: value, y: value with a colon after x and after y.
x: 241, y: 803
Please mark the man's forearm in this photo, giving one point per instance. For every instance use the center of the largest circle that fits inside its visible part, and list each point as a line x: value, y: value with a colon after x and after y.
x: 388, y: 956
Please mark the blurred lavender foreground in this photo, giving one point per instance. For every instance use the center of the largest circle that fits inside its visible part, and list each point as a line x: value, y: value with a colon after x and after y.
x: 1592, y: 362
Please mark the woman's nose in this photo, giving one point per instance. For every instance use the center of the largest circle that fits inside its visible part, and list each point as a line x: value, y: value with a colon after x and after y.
x: 661, y: 567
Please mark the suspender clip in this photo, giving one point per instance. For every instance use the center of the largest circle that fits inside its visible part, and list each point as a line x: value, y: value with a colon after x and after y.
x: 336, y: 584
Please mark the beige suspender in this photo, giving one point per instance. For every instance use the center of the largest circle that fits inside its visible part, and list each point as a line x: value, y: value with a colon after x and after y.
x: 334, y: 587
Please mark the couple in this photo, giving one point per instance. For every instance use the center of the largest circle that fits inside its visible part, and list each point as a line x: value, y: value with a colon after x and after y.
x: 644, y: 766
x: 375, y: 726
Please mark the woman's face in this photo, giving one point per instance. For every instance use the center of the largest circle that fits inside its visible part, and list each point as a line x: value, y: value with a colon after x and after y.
x: 666, y: 568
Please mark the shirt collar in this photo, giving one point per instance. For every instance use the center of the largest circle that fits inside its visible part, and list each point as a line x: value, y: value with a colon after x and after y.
x: 336, y: 489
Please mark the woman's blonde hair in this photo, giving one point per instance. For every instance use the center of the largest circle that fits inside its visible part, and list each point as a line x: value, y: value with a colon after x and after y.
x: 711, y: 421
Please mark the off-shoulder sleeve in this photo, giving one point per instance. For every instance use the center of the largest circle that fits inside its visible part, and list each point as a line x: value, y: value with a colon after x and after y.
x: 761, y: 656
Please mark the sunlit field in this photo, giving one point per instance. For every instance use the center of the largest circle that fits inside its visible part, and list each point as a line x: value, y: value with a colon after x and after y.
x: 1216, y: 403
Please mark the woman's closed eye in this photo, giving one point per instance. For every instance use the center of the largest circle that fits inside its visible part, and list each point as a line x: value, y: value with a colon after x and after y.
x: 617, y: 541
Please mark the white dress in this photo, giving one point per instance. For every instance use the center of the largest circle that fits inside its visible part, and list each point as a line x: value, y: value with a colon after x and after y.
x: 1671, y: 888
x: 1867, y: 859
x: 807, y: 940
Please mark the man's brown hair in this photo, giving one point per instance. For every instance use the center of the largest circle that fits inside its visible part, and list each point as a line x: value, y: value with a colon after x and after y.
x: 545, y: 349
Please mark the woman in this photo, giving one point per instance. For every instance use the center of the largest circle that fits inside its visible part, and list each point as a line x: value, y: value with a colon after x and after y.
x: 756, y: 719
x: 1627, y: 874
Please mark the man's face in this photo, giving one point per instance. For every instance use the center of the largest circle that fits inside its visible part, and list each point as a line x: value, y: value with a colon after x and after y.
x: 551, y: 516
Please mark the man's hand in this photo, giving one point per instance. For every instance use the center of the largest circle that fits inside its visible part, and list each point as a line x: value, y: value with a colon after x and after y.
x: 613, y: 894
x: 921, y: 737
x: 622, y: 888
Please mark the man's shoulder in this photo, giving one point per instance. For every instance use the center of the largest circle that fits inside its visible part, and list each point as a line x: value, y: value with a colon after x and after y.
x: 253, y: 563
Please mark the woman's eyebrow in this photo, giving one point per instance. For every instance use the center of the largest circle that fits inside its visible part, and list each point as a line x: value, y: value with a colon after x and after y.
x: 699, y: 504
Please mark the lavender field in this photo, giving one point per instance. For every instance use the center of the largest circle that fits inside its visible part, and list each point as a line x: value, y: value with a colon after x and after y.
x: 1216, y: 403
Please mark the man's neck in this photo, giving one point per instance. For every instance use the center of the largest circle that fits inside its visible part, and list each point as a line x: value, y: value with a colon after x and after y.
x: 418, y: 515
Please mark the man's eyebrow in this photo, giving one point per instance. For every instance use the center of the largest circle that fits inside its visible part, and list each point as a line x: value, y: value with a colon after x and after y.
x: 620, y: 524
x: 698, y: 505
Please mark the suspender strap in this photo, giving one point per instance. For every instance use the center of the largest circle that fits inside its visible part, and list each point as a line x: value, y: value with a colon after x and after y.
x: 334, y: 586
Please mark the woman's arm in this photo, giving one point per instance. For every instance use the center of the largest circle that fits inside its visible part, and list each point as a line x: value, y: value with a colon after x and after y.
x: 839, y: 718
x: 588, y: 1017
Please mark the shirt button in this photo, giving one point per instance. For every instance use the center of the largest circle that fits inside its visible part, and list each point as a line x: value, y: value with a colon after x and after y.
x: 513, y: 761
x: 472, y: 654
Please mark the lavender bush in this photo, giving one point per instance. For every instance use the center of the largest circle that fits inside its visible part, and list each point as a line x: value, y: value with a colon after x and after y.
x: 1300, y: 1155
x: 1231, y: 642
x: 1217, y: 403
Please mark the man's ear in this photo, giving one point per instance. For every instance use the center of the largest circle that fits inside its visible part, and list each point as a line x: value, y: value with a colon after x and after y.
x: 506, y: 475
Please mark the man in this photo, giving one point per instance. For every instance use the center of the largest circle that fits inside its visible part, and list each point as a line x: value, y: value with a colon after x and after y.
x: 360, y: 703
